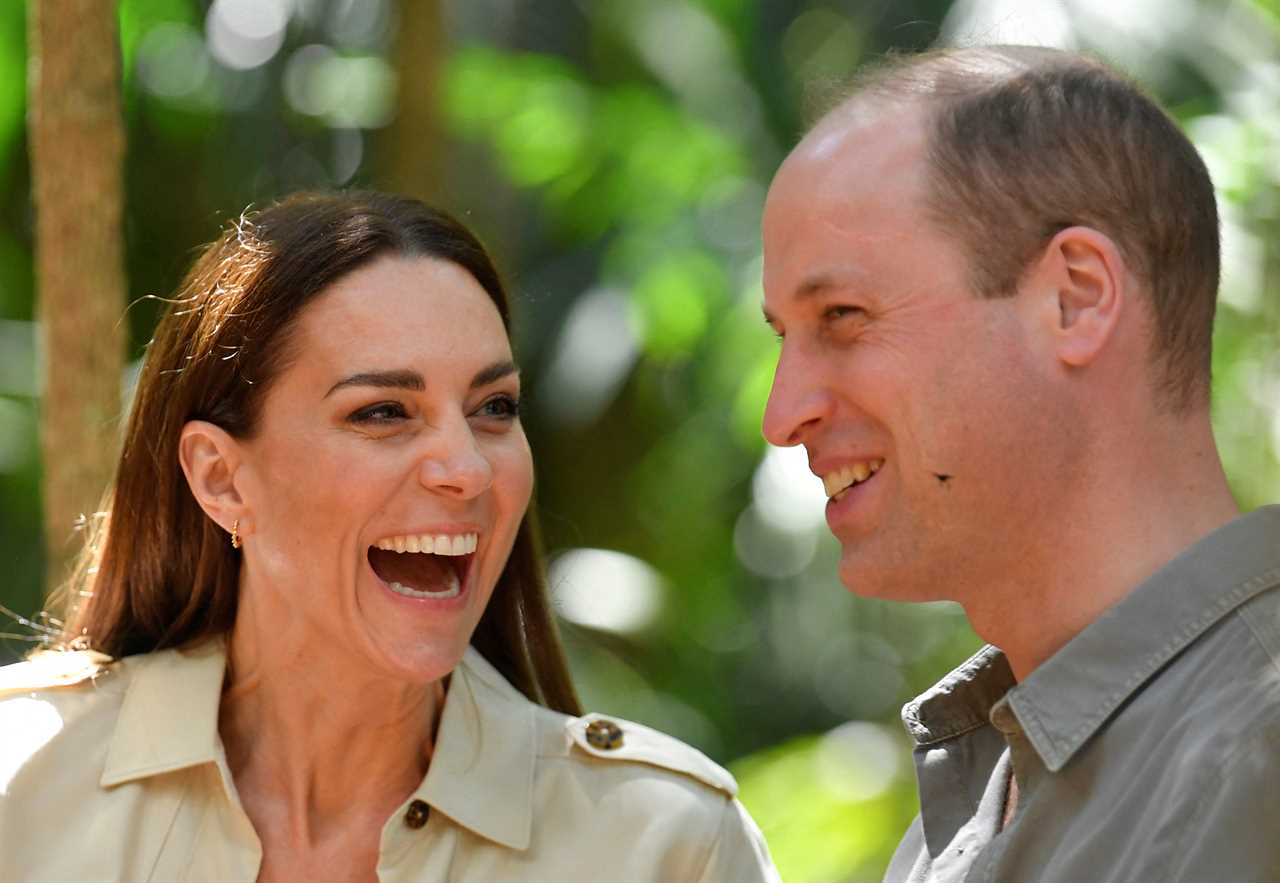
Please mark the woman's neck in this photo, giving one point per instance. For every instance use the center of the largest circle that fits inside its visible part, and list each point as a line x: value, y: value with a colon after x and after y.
x: 313, y: 739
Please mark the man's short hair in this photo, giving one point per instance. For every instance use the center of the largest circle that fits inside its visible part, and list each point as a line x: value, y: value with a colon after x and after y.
x: 1025, y: 142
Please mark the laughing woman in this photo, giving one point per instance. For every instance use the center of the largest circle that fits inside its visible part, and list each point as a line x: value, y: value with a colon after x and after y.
x: 311, y: 639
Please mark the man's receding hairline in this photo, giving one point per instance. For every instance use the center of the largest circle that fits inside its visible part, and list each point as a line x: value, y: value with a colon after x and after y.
x: 929, y: 80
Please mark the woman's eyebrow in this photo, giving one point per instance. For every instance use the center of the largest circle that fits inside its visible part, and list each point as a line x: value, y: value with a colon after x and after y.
x: 496, y: 371
x: 402, y: 379
x: 413, y: 381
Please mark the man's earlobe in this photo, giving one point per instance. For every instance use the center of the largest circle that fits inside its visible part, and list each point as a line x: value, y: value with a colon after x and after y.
x: 210, y: 457
x: 1089, y: 277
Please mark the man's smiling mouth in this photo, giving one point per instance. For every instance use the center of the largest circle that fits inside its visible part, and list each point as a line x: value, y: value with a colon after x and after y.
x: 838, y: 482
x: 424, y: 565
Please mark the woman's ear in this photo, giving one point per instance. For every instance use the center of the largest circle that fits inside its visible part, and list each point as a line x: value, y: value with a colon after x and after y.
x: 210, y: 458
x: 1087, y: 277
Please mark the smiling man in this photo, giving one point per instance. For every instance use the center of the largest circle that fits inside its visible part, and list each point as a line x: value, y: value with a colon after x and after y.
x: 994, y: 274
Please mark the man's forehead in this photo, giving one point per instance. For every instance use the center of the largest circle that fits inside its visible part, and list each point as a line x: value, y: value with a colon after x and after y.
x: 856, y: 145
x: 850, y: 177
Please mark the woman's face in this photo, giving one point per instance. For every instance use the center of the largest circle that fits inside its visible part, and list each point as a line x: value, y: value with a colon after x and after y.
x: 389, y: 473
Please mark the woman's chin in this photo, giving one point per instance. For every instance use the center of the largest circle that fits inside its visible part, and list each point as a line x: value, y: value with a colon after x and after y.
x: 417, y: 639
x: 417, y: 662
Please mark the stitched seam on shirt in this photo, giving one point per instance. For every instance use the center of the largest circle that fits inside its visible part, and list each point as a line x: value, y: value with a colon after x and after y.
x: 1180, y: 640
x: 1260, y: 638
x: 955, y: 733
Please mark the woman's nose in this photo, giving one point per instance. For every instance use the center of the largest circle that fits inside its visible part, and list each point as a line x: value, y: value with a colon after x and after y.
x: 454, y: 464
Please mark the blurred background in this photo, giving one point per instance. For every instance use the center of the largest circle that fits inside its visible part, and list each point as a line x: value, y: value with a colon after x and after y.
x: 615, y: 156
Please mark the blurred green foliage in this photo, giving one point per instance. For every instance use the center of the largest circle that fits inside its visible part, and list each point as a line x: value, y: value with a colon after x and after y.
x: 616, y: 155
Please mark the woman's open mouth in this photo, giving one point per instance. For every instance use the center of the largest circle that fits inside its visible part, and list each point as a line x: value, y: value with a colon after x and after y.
x: 431, y: 566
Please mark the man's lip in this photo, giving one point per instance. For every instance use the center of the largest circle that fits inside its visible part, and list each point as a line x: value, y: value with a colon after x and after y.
x: 826, y: 465
x: 844, y: 505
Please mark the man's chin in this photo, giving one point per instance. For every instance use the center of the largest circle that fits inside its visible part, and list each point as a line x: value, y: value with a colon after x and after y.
x: 887, y: 584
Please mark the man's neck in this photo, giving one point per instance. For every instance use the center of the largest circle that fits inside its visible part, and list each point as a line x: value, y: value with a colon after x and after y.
x: 1128, y: 520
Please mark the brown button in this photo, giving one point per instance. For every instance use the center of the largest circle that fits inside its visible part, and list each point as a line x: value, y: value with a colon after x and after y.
x: 604, y: 734
x: 416, y: 815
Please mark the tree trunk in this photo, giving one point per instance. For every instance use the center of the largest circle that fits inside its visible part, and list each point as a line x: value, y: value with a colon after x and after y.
x: 76, y: 137
x: 410, y: 146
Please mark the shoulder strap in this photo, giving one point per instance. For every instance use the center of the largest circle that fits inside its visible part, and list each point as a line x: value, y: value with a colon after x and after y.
x: 611, y: 738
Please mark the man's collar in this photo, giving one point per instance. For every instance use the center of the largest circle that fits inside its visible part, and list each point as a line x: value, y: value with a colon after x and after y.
x: 481, y: 772
x: 961, y: 701
x: 1068, y: 698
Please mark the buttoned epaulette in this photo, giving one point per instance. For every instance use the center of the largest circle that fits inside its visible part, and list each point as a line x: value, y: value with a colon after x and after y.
x: 614, y: 739
x: 52, y: 668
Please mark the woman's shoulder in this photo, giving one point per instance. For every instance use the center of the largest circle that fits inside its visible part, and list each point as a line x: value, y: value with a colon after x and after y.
x: 595, y: 746
x: 58, y: 710
x: 631, y: 783
x: 618, y: 748
x: 61, y: 677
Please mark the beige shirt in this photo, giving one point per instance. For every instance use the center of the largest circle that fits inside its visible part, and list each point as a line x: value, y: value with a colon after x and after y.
x: 122, y: 777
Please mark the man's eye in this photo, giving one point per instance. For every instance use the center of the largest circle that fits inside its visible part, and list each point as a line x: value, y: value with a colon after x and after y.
x: 383, y: 412
x: 501, y: 407
x: 842, y: 311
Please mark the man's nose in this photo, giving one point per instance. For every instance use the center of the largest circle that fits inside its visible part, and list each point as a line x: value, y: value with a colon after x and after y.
x: 454, y: 464
x: 798, y: 401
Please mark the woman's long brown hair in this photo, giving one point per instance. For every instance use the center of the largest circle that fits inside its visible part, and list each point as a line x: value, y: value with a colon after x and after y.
x: 156, y: 571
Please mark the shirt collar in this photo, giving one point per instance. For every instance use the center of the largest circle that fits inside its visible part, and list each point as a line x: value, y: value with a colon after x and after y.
x: 481, y: 772
x: 961, y: 701
x: 1068, y: 698
x: 169, y: 719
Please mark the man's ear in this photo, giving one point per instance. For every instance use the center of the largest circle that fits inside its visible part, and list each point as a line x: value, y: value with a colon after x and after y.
x: 1086, y: 282
x: 210, y: 458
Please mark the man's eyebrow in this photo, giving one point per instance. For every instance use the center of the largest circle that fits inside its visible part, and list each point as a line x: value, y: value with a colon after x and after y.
x: 403, y: 379
x: 817, y: 284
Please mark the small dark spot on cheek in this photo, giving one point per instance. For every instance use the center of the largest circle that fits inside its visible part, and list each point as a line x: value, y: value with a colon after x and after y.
x: 944, y: 480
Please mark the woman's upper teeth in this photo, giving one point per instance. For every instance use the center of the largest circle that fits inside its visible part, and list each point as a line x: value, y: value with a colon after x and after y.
x: 434, y: 544
x: 845, y: 476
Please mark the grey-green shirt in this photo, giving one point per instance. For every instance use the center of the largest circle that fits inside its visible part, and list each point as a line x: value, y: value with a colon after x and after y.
x: 1147, y: 749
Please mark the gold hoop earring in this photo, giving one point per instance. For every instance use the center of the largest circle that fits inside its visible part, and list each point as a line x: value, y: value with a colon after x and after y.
x: 235, y: 534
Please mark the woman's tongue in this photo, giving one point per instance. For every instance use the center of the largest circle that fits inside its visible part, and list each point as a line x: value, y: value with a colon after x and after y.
x: 415, y: 570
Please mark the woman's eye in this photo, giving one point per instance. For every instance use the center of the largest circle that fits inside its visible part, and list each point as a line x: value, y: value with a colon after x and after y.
x: 383, y: 412
x: 501, y: 407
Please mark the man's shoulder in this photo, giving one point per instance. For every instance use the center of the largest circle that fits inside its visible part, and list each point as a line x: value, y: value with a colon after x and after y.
x: 1239, y: 657
x: 1225, y: 690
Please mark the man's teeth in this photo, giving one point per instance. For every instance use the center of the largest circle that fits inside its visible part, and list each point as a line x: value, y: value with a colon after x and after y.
x: 452, y: 592
x: 432, y: 544
x: 847, y: 476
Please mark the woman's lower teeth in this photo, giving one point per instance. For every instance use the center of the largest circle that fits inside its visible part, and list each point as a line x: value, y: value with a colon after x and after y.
x: 409, y: 592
